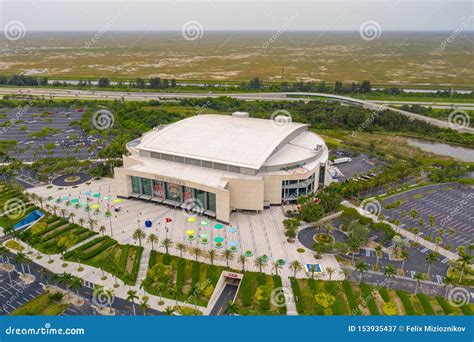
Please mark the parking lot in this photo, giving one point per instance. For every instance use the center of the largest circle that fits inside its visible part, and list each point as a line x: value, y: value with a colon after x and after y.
x: 451, y: 205
x: 360, y: 165
x: 64, y: 139
x: 15, y: 294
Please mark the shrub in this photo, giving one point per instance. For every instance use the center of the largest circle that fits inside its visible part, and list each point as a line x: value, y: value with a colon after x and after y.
x: 324, y: 299
x: 404, y: 297
x: 389, y: 308
x: 425, y: 303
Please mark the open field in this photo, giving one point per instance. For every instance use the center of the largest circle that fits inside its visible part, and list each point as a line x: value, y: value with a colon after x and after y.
x: 392, y: 59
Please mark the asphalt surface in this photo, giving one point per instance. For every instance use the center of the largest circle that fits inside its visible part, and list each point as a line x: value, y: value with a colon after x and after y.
x: 227, y: 294
x: 69, y: 140
x: 15, y: 294
x: 61, y: 180
x: 146, y: 96
x: 452, y: 206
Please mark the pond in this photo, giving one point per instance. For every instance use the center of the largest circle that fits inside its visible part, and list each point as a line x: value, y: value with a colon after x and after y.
x: 456, y: 152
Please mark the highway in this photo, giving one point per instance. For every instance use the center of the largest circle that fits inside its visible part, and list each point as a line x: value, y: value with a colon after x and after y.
x: 146, y: 96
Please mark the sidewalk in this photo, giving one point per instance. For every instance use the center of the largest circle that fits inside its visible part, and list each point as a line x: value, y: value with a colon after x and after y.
x: 404, y: 232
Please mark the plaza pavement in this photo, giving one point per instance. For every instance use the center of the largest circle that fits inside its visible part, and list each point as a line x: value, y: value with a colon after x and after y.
x: 261, y: 233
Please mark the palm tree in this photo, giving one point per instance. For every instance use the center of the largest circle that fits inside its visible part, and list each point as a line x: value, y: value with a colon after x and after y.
x: 143, y: 284
x: 276, y: 266
x: 312, y: 269
x: 296, y: 267
x: 139, y: 235
x: 448, y: 282
x: 65, y: 279
x: 389, y: 272
x: 227, y: 255
x: 152, y: 240
x: 82, y: 221
x: 22, y: 259
x: 63, y: 213
x: 330, y: 271
x: 413, y: 213
x: 54, y: 208
x: 438, y: 242
x: 361, y: 266
x: 168, y: 311
x: 92, y: 223
x: 231, y: 308
x: 144, y: 304
x: 76, y: 284
x: 354, y: 248
x: 131, y: 296
x: 242, y: 259
x: 197, y: 252
x: 405, y: 255
x: 166, y: 243
x: 430, y: 259
x: 260, y: 263
x: 418, y: 277
x: 465, y: 260
x: 102, y: 230
x: 181, y: 247
x: 212, y: 254
x: 71, y: 217
x: 378, y: 255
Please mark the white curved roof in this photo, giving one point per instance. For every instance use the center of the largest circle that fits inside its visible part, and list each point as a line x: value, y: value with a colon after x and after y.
x: 244, y: 142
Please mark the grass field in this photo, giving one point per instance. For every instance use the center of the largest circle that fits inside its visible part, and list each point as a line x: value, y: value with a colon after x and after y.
x: 43, y: 305
x: 123, y: 261
x: 393, y: 59
x: 317, y: 297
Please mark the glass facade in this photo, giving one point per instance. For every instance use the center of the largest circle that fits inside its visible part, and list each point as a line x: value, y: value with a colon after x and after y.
x: 292, y: 189
x: 172, y: 192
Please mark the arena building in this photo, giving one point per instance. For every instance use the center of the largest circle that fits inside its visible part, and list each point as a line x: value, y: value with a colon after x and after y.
x: 220, y: 163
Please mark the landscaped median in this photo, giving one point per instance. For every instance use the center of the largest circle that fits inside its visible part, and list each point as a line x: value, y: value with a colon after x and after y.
x: 123, y: 261
x: 316, y: 297
x: 193, y: 282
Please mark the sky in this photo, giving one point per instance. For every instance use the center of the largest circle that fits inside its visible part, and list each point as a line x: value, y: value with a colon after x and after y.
x: 89, y: 15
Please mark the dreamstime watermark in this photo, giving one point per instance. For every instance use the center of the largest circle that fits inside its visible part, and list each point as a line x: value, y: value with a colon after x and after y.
x: 102, y: 31
x: 192, y: 30
x: 289, y: 21
x: 15, y: 296
x: 281, y: 119
x: 14, y: 30
x: 103, y: 119
x: 370, y: 30
x: 464, y: 25
x: 14, y: 208
x: 197, y: 292
x: 372, y: 206
x: 45, y: 330
x: 458, y: 119
x: 281, y: 296
x: 103, y: 297
x: 20, y: 111
x: 201, y: 109
x: 192, y: 206
x: 368, y: 121
x: 370, y: 297
x: 458, y: 209
x: 458, y: 296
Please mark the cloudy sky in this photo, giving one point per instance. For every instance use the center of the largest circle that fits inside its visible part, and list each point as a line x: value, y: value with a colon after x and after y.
x: 66, y: 15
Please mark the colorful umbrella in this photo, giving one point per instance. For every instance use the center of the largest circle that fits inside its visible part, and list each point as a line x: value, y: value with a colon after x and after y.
x: 191, y: 219
x: 204, y: 223
x: 219, y: 239
x: 148, y: 223
x: 264, y: 257
x: 65, y: 198
x: 281, y: 262
x: 74, y: 200
x: 117, y: 200
x: 218, y: 226
x: 95, y: 206
x: 248, y: 253
x: 96, y: 195
x: 190, y: 232
x: 87, y: 192
x: 233, y: 243
x: 106, y: 198
x: 204, y: 236
x: 232, y: 230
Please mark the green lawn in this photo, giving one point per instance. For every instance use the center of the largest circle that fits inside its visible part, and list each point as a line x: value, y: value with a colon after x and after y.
x: 123, y: 261
x: 316, y: 297
x: 43, y: 305
x: 192, y: 281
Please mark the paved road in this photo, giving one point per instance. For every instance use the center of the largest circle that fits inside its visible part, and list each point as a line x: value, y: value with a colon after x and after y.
x: 227, y: 294
x: 122, y: 307
x: 146, y: 96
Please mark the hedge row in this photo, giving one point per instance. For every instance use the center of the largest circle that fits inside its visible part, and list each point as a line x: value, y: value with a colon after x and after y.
x: 369, y: 298
x: 277, y: 284
x: 297, y: 293
x: 425, y: 303
x: 405, y: 298
x: 346, y: 285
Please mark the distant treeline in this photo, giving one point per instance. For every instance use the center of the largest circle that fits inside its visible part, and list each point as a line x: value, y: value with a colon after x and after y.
x: 256, y: 84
